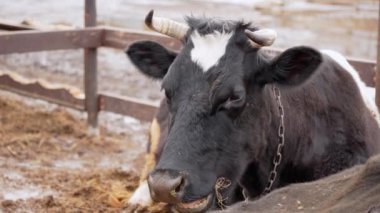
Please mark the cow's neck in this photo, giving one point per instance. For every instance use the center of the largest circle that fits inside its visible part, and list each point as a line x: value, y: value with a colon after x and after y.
x: 262, y: 118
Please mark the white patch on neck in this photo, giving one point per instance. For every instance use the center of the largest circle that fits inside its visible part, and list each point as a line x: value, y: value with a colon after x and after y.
x: 208, y: 49
x: 368, y: 93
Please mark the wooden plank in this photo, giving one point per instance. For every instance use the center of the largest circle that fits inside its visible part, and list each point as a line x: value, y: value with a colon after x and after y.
x: 41, y: 90
x: 91, y: 86
x: 65, y: 96
x: 90, y: 71
x: 33, y: 40
x: 142, y: 110
x: 90, y: 13
x: 121, y: 38
x: 117, y: 38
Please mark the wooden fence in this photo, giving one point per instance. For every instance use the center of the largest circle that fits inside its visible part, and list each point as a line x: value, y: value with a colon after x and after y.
x: 89, y: 39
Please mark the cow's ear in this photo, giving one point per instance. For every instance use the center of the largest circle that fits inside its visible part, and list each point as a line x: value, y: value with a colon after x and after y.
x: 292, y: 67
x: 151, y: 58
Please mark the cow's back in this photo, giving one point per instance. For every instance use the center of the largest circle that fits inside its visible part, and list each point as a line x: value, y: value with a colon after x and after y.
x: 353, y: 190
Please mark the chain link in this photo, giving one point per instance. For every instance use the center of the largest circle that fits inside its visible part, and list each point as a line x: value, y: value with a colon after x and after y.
x: 281, y: 142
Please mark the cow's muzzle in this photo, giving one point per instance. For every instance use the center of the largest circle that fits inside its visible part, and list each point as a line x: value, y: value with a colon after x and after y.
x: 169, y: 186
x: 166, y: 186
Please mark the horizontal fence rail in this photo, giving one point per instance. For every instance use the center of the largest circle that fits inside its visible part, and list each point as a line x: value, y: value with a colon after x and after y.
x: 94, y: 37
x: 70, y: 97
x: 143, y: 110
x: 35, y: 40
x: 42, y: 90
x: 120, y: 38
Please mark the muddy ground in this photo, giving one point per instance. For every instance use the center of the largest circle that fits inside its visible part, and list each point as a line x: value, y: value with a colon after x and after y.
x: 49, y: 164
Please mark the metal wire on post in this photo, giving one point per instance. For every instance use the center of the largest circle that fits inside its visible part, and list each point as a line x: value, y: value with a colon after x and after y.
x: 90, y: 72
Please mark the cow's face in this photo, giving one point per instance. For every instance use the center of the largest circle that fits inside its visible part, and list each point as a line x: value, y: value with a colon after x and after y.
x: 207, y: 85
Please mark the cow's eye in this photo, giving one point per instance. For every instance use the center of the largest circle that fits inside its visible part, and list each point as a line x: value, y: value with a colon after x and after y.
x: 233, y: 104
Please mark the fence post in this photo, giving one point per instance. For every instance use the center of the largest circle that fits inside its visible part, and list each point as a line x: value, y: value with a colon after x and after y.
x: 90, y: 72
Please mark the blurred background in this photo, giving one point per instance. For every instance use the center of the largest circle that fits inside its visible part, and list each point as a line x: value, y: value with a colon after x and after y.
x: 347, y: 26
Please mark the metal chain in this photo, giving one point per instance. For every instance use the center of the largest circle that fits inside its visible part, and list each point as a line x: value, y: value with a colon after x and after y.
x: 281, y: 142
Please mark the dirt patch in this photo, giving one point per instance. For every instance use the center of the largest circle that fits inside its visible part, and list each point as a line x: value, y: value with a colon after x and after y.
x: 49, y: 164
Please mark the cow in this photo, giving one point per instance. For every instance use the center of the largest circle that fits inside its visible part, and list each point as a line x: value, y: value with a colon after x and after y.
x: 241, y: 122
x: 353, y: 190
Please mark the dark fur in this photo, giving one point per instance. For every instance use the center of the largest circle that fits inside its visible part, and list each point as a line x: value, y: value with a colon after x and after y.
x: 353, y: 190
x: 224, y: 123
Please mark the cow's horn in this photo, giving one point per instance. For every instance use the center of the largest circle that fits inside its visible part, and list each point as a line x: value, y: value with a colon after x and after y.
x: 263, y: 37
x: 166, y: 26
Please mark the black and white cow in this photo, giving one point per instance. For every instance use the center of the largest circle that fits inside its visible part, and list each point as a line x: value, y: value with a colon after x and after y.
x: 224, y: 119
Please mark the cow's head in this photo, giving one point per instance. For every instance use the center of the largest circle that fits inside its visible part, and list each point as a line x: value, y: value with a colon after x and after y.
x: 214, y: 90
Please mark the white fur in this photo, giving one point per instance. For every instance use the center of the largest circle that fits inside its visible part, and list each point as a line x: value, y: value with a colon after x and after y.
x: 141, y: 196
x: 368, y: 93
x: 208, y: 49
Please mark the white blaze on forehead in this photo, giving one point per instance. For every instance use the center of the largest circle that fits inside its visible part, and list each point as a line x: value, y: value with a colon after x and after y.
x: 208, y: 49
x: 368, y: 93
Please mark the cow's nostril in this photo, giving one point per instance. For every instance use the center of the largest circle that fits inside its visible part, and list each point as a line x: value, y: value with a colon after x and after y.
x: 180, y: 186
x: 166, y: 187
